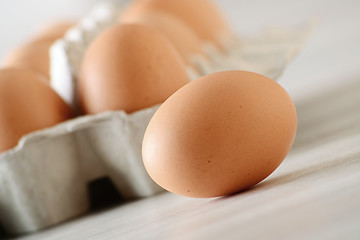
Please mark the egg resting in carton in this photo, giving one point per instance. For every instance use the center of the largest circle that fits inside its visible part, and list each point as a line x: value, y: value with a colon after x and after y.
x: 43, y: 180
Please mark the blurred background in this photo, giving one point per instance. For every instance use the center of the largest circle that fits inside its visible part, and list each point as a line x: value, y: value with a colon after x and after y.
x: 332, y: 52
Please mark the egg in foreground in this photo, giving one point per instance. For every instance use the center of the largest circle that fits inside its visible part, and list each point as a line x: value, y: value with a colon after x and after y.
x: 220, y: 134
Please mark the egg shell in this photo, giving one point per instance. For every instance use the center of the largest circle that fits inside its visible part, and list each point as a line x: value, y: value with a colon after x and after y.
x: 129, y: 67
x: 220, y: 134
x: 53, y: 30
x: 177, y: 32
x: 203, y: 16
x: 33, y: 56
x: 27, y: 104
x: 67, y: 53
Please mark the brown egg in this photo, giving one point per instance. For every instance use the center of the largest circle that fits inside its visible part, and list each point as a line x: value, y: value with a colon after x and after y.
x: 52, y: 31
x: 27, y: 104
x: 200, y: 15
x: 129, y: 67
x: 184, y: 38
x: 33, y: 56
x: 220, y: 134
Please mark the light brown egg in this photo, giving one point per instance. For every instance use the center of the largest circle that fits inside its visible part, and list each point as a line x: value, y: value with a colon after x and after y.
x: 52, y: 31
x: 27, y: 104
x: 184, y: 38
x: 220, y: 134
x: 34, y: 56
x: 129, y: 67
x: 200, y: 15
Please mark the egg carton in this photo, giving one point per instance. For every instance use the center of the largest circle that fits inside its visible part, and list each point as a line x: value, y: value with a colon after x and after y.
x: 44, y: 179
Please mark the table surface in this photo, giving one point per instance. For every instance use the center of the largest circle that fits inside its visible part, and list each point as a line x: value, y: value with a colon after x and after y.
x: 315, y: 193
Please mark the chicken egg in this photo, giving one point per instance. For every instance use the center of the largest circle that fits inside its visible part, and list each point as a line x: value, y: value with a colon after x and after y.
x: 178, y: 33
x: 52, y: 31
x: 220, y: 134
x: 129, y: 67
x: 27, y: 104
x: 33, y: 56
x: 203, y: 16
